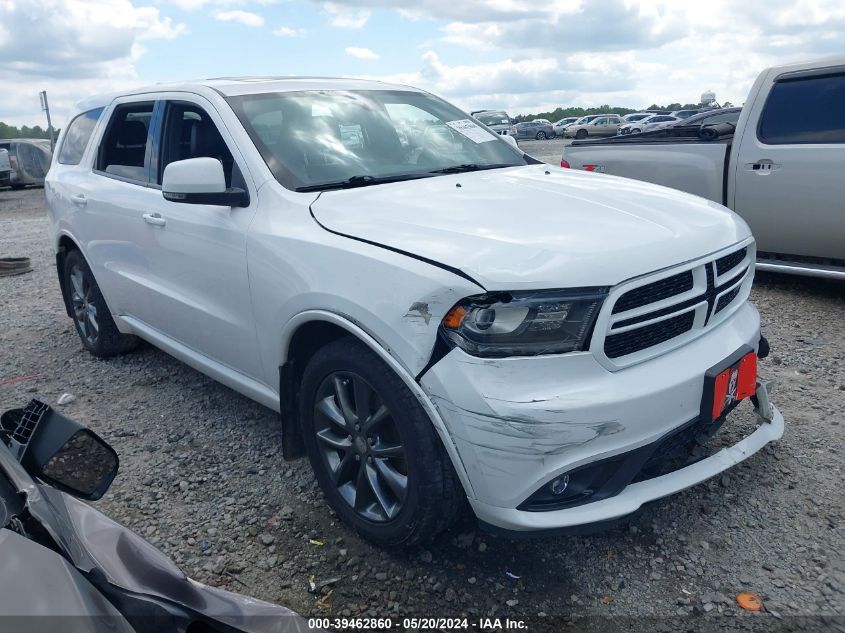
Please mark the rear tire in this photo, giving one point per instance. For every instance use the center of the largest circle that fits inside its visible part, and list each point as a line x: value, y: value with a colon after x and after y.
x: 373, y: 448
x: 91, y: 316
x: 581, y: 134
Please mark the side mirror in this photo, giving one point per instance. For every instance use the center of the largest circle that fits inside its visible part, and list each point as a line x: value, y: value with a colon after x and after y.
x: 510, y: 140
x: 84, y: 466
x: 59, y: 451
x: 200, y: 181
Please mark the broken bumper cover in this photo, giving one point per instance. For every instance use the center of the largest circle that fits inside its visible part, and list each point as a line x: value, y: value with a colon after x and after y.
x: 637, y: 494
x: 519, y: 423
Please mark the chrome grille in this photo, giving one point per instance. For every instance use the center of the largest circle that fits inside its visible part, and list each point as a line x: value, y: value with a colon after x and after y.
x: 653, y: 314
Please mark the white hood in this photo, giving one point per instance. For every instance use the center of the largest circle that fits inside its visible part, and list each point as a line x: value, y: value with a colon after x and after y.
x: 536, y: 226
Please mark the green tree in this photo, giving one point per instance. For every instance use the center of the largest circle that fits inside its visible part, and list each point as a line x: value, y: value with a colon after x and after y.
x: 36, y: 131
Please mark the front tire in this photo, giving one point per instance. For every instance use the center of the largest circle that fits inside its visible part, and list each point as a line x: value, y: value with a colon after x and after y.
x: 373, y: 448
x: 541, y: 136
x: 581, y: 134
x: 91, y: 316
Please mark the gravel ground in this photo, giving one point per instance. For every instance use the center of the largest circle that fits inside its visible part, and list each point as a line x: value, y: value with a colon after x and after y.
x: 202, y: 477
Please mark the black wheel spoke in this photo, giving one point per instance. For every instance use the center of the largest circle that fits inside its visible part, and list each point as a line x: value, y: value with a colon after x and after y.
x: 329, y: 409
x: 373, y: 420
x: 337, y: 442
x: 343, y: 471
x: 76, y: 282
x: 363, y: 392
x: 362, y: 490
x: 396, y: 481
x: 341, y: 390
x: 382, y: 449
x: 381, y: 495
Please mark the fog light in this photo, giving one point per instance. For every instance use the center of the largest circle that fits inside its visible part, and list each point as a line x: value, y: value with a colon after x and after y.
x: 558, y: 486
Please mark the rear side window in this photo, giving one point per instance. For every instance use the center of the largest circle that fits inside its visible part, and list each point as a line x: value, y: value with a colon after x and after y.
x: 808, y: 110
x: 725, y: 117
x: 123, y: 149
x: 77, y: 136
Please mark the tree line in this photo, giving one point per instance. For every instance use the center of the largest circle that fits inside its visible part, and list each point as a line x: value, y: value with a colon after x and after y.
x: 36, y: 131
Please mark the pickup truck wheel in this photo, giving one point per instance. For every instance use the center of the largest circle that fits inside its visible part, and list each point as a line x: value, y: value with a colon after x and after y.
x: 541, y: 136
x: 373, y: 448
x: 580, y: 134
x: 91, y: 316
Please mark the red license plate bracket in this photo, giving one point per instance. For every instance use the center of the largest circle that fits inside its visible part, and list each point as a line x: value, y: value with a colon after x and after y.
x: 728, y: 383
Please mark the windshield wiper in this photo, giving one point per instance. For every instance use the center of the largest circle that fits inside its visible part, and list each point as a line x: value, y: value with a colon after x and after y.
x: 360, y: 181
x: 459, y: 169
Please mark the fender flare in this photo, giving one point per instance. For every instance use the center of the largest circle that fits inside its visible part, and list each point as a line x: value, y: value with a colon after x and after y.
x: 382, y: 352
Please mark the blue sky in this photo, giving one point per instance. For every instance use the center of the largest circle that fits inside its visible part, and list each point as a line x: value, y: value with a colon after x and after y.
x: 521, y: 55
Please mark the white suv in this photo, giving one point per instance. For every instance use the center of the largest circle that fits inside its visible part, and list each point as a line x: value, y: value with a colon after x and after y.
x: 436, y: 316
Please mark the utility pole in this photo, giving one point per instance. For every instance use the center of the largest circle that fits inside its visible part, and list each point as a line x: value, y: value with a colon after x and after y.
x: 46, y: 107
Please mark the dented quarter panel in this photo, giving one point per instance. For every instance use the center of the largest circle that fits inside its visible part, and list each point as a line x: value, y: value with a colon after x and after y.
x: 518, y: 422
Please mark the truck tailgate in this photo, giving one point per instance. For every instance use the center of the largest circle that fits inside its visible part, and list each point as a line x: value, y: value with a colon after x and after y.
x: 698, y: 168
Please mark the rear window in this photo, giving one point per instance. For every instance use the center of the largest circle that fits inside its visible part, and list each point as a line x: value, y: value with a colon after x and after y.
x: 77, y: 136
x: 124, y: 145
x: 807, y: 110
x: 493, y: 118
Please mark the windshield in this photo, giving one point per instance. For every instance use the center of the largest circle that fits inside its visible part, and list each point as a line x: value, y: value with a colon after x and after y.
x: 493, y: 118
x: 337, y: 138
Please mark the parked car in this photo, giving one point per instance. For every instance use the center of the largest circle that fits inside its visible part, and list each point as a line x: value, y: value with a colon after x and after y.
x: 636, y: 116
x: 715, y: 116
x: 5, y: 168
x: 435, y: 322
x: 30, y: 159
x: 497, y: 120
x: 64, y: 561
x: 778, y: 167
x: 653, y: 122
x: 535, y: 129
x: 586, y: 119
x: 604, y: 125
x: 561, y: 125
x: 683, y: 114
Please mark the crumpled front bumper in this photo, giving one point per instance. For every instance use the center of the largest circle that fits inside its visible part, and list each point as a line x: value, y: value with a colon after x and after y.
x: 637, y: 494
x: 517, y: 423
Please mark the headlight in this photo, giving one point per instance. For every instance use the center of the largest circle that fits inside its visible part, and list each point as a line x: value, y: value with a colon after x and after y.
x: 523, y: 323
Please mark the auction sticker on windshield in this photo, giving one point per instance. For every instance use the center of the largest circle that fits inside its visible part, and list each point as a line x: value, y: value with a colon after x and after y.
x: 471, y: 130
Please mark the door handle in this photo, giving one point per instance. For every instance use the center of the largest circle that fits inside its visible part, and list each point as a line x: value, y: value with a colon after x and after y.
x: 79, y: 199
x: 155, y: 219
x: 763, y: 166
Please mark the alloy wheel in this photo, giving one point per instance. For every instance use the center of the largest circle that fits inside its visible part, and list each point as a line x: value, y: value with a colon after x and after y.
x: 360, y: 446
x: 84, y: 310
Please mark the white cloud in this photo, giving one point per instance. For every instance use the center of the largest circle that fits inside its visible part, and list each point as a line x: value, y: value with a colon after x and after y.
x: 360, y: 53
x: 548, y: 53
x: 345, y: 17
x: 286, y: 31
x: 246, y: 18
x: 89, y: 46
x: 193, y: 5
